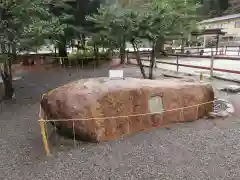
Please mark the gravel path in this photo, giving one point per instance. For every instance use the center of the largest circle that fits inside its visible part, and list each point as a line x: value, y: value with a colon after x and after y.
x: 200, y: 150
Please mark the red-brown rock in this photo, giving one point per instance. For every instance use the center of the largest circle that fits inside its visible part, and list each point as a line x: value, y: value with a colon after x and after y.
x: 95, y: 104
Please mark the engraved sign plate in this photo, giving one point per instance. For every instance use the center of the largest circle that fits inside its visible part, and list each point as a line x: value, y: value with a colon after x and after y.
x: 155, y: 104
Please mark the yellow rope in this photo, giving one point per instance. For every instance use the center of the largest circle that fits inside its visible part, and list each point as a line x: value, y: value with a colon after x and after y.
x: 43, y: 130
x: 131, y: 115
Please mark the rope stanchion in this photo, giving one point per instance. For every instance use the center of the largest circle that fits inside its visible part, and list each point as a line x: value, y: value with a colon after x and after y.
x: 197, y: 112
x: 74, y: 134
x: 201, y: 77
x: 42, y: 124
x: 44, y: 137
x: 128, y: 126
x: 181, y: 114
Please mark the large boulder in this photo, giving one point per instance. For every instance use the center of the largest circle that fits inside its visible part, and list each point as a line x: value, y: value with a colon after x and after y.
x: 102, y: 109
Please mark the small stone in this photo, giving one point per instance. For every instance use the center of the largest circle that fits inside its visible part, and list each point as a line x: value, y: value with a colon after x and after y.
x: 221, y: 114
x: 231, y: 88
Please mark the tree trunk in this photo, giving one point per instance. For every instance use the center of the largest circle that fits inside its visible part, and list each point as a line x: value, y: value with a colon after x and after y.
x: 14, y: 52
x: 96, y: 53
x: 62, y: 51
x: 159, y: 47
x: 8, y: 87
x: 122, y: 52
x: 78, y: 46
x: 182, y: 45
x: 83, y: 42
x: 138, y: 59
x: 55, y: 50
x: 6, y: 74
x: 152, y: 61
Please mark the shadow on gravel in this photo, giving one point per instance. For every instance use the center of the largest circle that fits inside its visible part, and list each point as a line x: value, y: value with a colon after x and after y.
x: 30, y: 88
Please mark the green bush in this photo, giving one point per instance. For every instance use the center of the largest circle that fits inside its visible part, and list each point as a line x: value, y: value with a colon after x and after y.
x: 85, y: 58
x: 2, y: 58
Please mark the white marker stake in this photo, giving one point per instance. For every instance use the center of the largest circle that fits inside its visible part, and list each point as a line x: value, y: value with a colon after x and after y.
x: 116, y: 74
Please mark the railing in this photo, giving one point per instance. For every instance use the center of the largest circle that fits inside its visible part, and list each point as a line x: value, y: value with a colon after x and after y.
x: 178, y: 64
x: 226, y: 50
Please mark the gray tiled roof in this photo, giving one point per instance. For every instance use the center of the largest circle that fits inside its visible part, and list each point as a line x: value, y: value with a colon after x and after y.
x: 233, y: 16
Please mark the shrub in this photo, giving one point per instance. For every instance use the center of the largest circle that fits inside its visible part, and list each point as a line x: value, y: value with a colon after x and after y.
x: 85, y: 57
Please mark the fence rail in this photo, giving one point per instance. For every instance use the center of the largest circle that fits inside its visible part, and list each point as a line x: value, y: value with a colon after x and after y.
x: 218, y: 56
x: 197, y: 67
x: 234, y: 52
x: 211, y: 68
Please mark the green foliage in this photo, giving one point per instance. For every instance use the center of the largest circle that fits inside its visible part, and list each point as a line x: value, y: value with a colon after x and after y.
x: 88, y: 54
x: 108, y: 29
x: 2, y: 58
x: 77, y: 10
x: 27, y: 23
x: 213, y: 8
x: 155, y: 19
x: 133, y: 21
x: 234, y: 7
x: 85, y: 57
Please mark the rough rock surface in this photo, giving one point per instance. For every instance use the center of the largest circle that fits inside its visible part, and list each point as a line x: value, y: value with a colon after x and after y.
x: 103, y: 100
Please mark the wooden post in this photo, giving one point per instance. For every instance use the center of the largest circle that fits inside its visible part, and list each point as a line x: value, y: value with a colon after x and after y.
x: 69, y: 62
x: 201, y: 76
x: 44, y: 137
x: 225, y: 50
x: 211, y: 66
x: 64, y: 62
x: 94, y: 65
x: 217, y: 44
x: 177, y: 63
x: 60, y: 62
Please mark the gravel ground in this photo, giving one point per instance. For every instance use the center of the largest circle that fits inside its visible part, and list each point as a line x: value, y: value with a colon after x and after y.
x: 205, y: 149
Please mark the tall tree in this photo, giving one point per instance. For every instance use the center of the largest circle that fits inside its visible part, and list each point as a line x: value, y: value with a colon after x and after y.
x: 63, y: 9
x: 156, y: 19
x: 213, y: 8
x: 25, y: 20
x: 77, y: 26
x: 234, y: 7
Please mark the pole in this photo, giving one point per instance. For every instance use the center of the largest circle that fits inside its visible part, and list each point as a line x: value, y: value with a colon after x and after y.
x: 217, y: 44
x: 44, y: 137
x: 127, y: 57
x: 201, y: 76
x: 211, y: 66
x: 69, y: 62
x: 177, y: 63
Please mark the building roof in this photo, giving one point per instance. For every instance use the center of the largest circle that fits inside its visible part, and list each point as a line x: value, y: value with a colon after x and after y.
x: 217, y: 31
x: 222, y: 18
